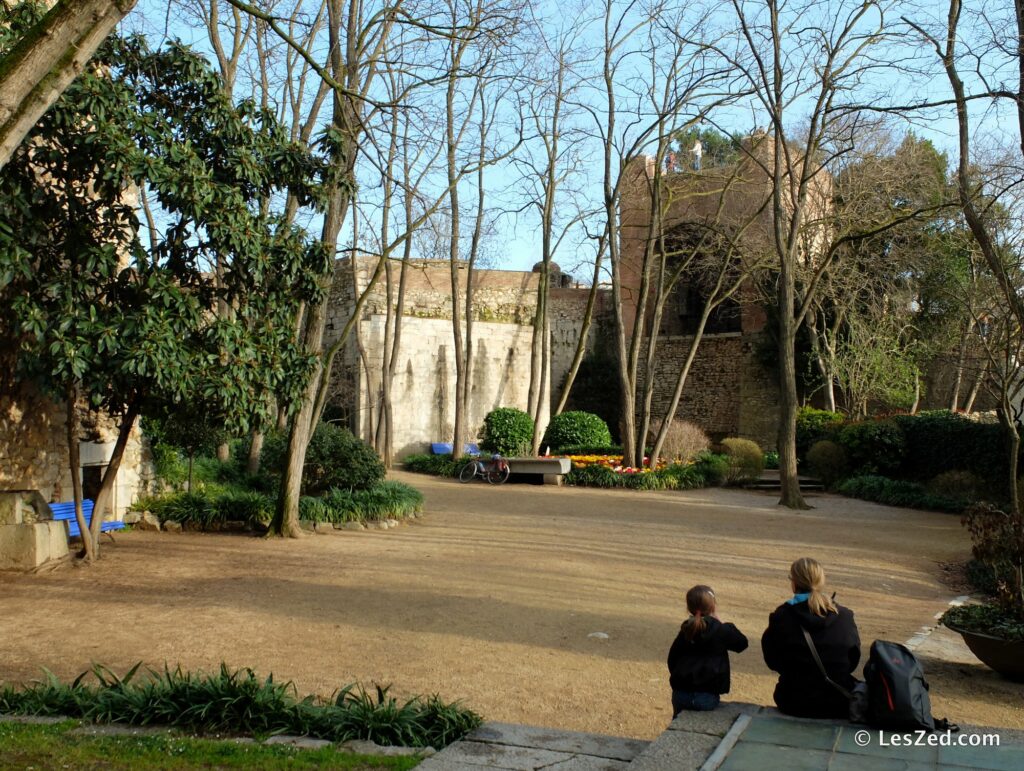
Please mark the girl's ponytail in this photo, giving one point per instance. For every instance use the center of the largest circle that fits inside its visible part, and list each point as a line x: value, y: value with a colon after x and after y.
x: 700, y: 602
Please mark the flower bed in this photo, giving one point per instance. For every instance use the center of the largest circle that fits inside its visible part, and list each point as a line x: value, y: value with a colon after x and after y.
x: 614, y: 462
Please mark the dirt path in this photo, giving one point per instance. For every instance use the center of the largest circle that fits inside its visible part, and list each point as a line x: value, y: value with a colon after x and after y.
x: 491, y: 598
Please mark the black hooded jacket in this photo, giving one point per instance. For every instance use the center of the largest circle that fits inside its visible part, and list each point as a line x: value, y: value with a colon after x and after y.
x: 801, y: 689
x: 701, y: 665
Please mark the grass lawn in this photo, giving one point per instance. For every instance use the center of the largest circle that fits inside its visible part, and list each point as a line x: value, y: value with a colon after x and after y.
x: 52, y: 746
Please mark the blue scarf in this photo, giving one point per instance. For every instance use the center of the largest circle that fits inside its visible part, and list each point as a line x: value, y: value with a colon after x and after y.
x: 798, y: 598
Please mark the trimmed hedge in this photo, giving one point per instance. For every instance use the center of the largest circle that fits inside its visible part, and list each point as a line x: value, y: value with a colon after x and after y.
x: 894, y: 492
x: 939, y: 440
x: 239, y: 702
x: 591, y: 449
x: 575, y: 428
x: 873, y: 446
x: 507, y: 431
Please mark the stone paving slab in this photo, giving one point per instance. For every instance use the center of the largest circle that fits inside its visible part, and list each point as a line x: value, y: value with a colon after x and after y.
x: 528, y: 748
x: 676, y: 751
x: 598, y: 745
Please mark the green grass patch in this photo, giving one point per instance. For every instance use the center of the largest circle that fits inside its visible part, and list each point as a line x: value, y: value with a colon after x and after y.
x: 240, y: 703
x: 53, y: 746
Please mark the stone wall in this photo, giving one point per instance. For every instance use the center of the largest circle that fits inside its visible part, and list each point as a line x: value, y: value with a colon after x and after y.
x: 34, y: 455
x: 727, y: 392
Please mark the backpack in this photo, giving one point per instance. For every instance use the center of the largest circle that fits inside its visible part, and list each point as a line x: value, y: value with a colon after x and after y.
x: 897, y: 698
x: 894, y: 694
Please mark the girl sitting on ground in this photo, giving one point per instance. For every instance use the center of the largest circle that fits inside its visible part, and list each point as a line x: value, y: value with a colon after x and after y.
x: 698, y: 661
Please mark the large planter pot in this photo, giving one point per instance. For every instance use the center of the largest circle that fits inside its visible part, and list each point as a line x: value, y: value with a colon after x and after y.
x: 1004, y: 656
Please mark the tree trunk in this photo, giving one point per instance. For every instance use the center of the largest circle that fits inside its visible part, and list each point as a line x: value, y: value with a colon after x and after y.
x: 106, y: 492
x: 791, y: 496
x: 252, y: 462
x: 224, y: 452
x: 954, y: 398
x: 47, y: 59
x: 75, y: 463
x: 975, y: 388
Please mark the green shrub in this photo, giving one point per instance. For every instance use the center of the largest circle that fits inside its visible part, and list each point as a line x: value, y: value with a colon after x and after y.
x: 244, y: 506
x: 170, y: 467
x: 827, y: 461
x: 771, y: 459
x: 387, y: 500
x: 746, y: 460
x: 594, y: 475
x: 814, y: 425
x: 240, y: 702
x: 714, y: 466
x: 873, y: 447
x: 962, y: 485
x: 940, y: 440
x: 576, y: 428
x: 897, y: 493
x: 436, y: 465
x: 507, y: 431
x: 334, y: 458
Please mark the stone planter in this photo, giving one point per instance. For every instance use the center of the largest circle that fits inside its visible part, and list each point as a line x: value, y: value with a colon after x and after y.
x: 1004, y: 656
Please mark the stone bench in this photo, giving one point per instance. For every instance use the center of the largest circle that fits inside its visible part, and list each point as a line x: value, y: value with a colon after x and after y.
x: 552, y: 469
x: 29, y: 535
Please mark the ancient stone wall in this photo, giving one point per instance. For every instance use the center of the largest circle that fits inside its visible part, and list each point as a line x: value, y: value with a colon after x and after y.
x: 727, y: 392
x: 34, y: 454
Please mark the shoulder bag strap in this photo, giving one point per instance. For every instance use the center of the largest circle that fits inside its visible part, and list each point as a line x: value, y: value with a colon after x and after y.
x: 821, y: 667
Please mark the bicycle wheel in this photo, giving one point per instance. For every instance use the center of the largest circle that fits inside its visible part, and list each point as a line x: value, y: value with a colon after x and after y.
x: 468, y: 472
x: 498, y: 473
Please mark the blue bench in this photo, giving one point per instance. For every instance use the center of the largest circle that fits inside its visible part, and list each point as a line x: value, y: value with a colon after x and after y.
x: 65, y: 512
x: 445, y: 448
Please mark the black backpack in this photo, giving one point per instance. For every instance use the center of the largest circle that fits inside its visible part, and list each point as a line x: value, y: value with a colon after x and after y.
x: 897, y: 691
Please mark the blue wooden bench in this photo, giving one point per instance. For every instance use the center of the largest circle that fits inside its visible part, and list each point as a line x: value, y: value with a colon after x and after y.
x: 445, y: 448
x: 65, y: 512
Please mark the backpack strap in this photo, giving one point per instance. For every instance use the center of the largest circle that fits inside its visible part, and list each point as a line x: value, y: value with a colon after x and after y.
x: 821, y: 667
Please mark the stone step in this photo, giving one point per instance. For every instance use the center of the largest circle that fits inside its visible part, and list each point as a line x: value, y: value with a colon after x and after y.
x: 527, y: 748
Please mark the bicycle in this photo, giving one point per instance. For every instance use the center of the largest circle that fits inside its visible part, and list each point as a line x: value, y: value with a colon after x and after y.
x: 495, y: 471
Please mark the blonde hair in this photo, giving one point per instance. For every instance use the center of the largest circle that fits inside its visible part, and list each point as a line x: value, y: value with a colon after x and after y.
x: 808, y: 576
x: 700, y: 602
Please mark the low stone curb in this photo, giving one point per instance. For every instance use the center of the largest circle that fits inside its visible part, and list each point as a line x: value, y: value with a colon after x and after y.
x: 353, y: 746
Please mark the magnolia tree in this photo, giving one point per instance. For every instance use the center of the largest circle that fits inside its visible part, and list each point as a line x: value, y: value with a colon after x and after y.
x: 108, y: 323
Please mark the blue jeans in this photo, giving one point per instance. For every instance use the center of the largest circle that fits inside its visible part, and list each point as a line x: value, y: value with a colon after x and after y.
x: 697, y: 702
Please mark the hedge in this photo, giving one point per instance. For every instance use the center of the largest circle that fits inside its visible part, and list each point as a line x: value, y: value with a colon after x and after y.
x: 507, y: 431
x: 576, y: 428
x: 709, y: 469
x: 436, y: 465
x: 893, y: 492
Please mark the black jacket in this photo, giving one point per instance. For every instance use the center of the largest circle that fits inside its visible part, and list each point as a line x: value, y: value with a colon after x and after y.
x: 702, y: 664
x: 801, y: 690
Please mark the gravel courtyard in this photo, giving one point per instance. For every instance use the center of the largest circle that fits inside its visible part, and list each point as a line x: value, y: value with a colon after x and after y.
x: 493, y: 596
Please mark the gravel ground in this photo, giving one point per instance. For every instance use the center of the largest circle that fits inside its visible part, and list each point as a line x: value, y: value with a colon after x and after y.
x: 494, y: 597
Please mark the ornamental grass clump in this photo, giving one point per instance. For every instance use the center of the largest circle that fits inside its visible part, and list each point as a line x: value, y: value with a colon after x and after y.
x: 746, y: 461
x: 240, y: 702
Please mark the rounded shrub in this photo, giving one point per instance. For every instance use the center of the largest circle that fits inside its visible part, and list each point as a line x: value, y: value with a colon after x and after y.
x: 957, y: 484
x: 507, y: 431
x: 576, y: 428
x: 813, y: 425
x: 827, y: 461
x: 746, y: 460
x: 335, y: 458
x: 873, y: 446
